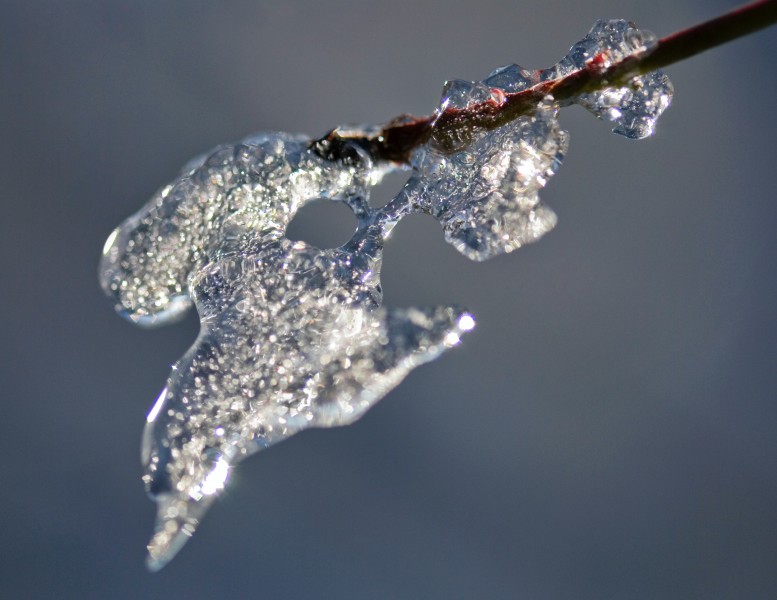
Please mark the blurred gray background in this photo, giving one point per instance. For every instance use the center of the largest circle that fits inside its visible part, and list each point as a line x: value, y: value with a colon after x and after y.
x: 608, y: 431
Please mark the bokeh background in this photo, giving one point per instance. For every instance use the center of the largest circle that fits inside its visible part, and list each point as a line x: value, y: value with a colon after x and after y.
x: 608, y: 431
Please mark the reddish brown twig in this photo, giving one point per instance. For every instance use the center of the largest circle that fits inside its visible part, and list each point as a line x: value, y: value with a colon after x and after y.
x: 396, y: 140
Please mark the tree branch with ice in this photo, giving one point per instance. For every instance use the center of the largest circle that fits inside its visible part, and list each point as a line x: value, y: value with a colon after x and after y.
x: 294, y: 336
x: 396, y: 140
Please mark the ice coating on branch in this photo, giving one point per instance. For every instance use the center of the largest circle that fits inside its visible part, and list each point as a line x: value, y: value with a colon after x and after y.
x: 486, y: 194
x: 613, y: 39
x: 291, y: 336
x: 482, y: 184
x: 633, y: 109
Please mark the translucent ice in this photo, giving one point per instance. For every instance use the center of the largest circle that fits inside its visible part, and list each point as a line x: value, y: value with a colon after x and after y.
x: 291, y: 336
x: 511, y: 78
x: 482, y: 184
x: 486, y: 195
x: 633, y: 109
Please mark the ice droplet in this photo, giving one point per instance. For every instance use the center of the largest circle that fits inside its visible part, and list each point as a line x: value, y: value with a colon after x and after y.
x: 633, y: 109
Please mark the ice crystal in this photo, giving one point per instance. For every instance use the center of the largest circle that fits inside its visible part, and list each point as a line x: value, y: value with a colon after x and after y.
x: 293, y: 336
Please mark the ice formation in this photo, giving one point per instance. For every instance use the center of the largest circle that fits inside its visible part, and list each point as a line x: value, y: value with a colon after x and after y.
x: 293, y: 336
x: 485, y: 196
x: 633, y: 109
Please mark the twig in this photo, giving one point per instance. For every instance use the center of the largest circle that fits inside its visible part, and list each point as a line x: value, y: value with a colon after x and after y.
x: 395, y: 141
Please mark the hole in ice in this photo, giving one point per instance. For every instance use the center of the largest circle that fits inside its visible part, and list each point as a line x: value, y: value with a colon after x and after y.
x: 323, y: 224
x: 388, y: 188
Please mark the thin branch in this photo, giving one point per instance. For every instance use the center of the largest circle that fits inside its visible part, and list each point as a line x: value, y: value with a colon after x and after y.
x: 396, y: 140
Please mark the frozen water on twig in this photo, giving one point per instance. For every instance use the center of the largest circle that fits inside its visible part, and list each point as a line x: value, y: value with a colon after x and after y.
x: 485, y: 192
x: 293, y: 336
x: 486, y: 195
x: 635, y: 108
